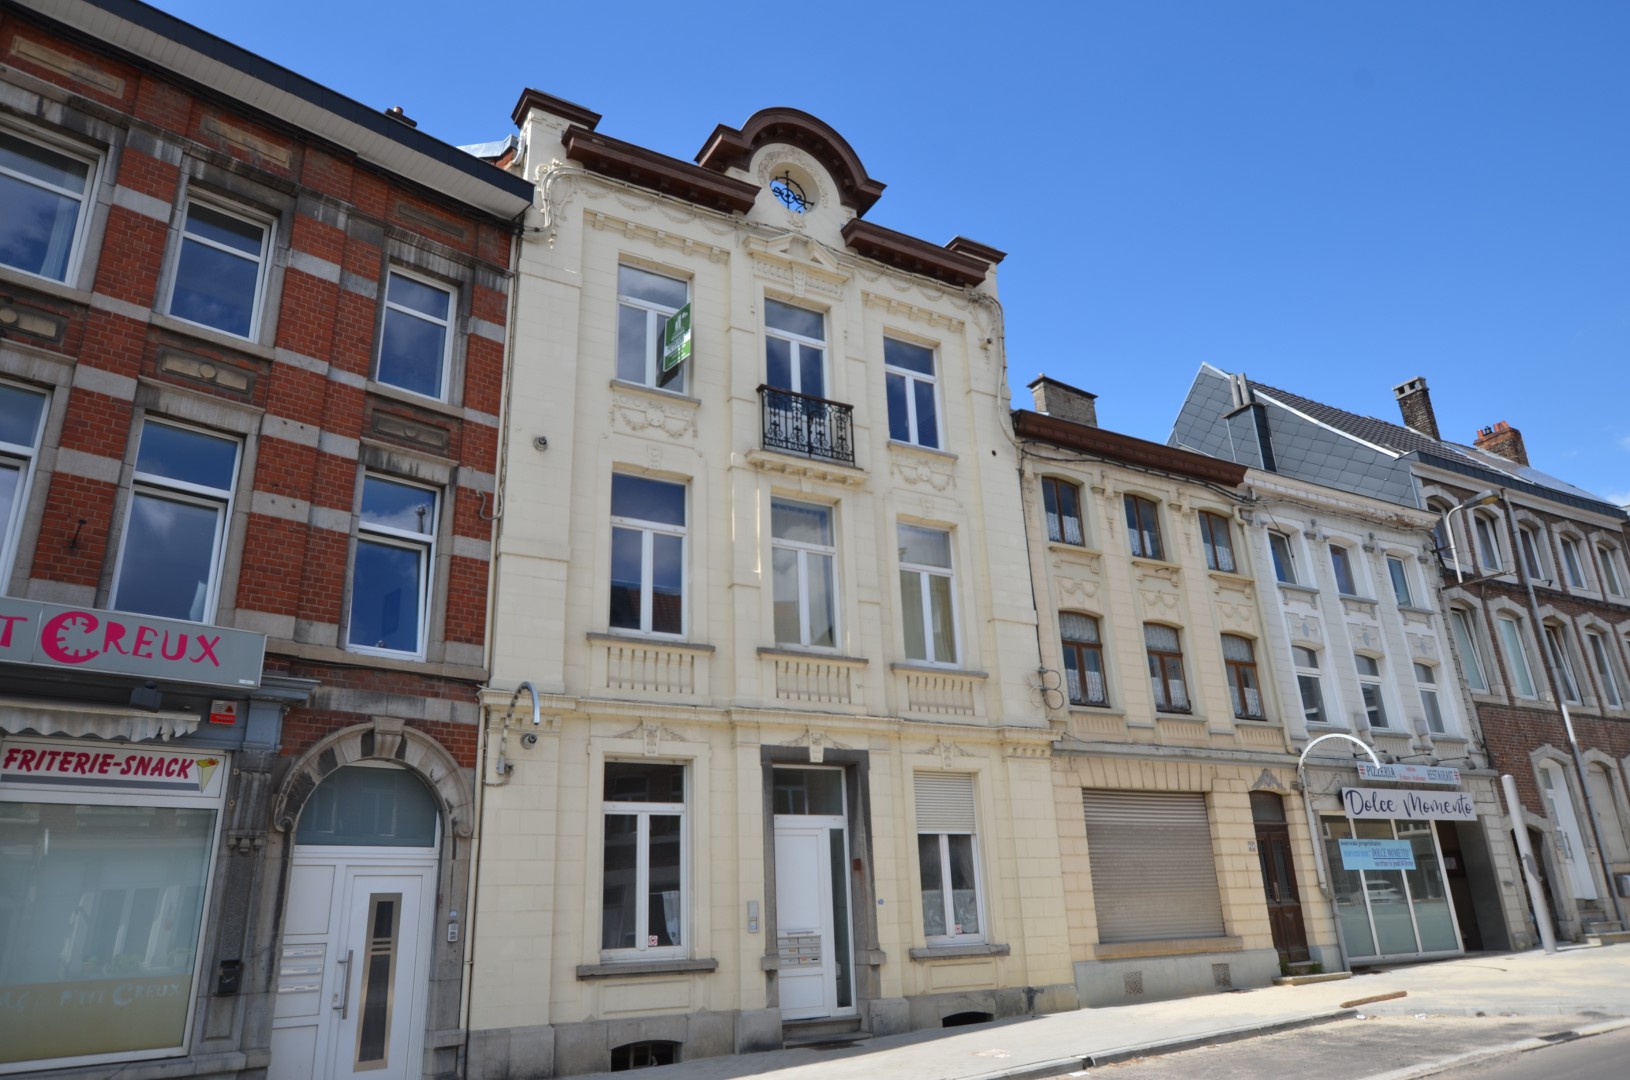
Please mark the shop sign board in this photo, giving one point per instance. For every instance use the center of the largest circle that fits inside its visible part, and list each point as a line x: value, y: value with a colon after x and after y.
x: 88, y: 766
x: 1396, y: 805
x: 1414, y: 774
x: 118, y: 642
x: 1377, y: 855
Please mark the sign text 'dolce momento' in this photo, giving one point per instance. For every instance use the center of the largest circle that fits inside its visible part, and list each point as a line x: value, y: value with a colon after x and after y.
x: 85, y: 639
x: 1407, y: 805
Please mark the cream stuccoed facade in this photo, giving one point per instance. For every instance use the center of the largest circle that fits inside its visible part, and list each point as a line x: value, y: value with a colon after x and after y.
x: 791, y: 772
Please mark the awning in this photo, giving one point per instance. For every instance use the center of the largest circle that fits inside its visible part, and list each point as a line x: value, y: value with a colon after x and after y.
x: 26, y: 716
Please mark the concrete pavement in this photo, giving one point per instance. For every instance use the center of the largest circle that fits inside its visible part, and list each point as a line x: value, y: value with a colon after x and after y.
x: 1584, y: 981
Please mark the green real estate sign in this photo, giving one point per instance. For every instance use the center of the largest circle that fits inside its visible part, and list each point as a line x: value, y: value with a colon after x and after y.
x: 675, y: 344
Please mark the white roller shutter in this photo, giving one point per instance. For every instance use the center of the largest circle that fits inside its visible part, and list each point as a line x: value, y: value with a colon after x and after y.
x: 1154, y: 875
x: 944, y: 802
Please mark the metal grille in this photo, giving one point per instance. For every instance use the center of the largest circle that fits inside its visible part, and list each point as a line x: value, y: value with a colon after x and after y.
x: 811, y: 426
x: 1132, y: 981
x: 1222, y: 976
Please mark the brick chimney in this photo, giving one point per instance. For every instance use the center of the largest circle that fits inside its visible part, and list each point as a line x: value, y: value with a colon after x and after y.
x: 1416, y: 405
x: 1503, y: 439
x: 1064, y: 402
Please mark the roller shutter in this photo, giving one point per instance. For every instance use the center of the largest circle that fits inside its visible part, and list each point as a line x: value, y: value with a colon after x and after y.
x: 944, y: 802
x: 1154, y: 875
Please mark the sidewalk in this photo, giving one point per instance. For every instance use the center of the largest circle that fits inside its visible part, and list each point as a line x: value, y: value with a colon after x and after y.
x: 1579, y: 980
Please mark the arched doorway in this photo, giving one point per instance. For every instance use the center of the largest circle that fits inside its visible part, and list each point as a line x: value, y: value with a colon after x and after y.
x: 353, y: 976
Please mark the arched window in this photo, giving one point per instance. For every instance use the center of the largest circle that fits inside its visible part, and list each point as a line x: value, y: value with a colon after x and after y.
x: 369, y: 806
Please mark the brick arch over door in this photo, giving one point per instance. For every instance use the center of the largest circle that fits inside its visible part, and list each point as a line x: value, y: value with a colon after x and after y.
x: 382, y: 740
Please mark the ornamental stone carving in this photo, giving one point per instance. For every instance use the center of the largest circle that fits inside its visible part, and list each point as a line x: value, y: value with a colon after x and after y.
x: 636, y: 413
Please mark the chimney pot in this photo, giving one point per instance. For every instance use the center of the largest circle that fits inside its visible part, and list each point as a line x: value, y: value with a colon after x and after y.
x: 1416, y: 405
x: 1504, y: 440
x: 1064, y: 402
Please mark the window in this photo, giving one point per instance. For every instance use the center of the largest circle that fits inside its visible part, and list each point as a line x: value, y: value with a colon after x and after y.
x: 1309, y: 683
x: 1604, y: 668
x: 1154, y: 869
x: 1240, y: 661
x: 645, y: 303
x: 909, y: 373
x: 794, y: 349
x: 1488, y: 541
x: 1400, y: 581
x: 175, y: 526
x: 926, y: 595
x: 1599, y: 781
x: 1216, y: 539
x: 1532, y: 545
x: 642, y: 894
x: 1284, y: 558
x: 1369, y: 687
x: 45, y: 192
x: 1522, y: 675
x: 1062, y: 502
x: 219, y: 270
x: 1556, y: 640
x: 1166, y: 668
x: 1427, y: 680
x: 947, y: 858
x: 1572, y: 563
x: 390, y: 585
x: 22, y: 416
x: 1143, y: 527
x: 415, y: 341
x: 1341, y: 561
x: 1083, y: 659
x: 1608, y: 556
x: 1466, y: 641
x: 647, y: 555
x: 802, y: 556
x: 1440, y: 527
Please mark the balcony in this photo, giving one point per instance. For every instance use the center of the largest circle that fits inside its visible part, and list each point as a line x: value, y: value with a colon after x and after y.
x: 811, y: 427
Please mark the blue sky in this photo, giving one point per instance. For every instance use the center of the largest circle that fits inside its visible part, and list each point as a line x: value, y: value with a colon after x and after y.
x: 1332, y: 197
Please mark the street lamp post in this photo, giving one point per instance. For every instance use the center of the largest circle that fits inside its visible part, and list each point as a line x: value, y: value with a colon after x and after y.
x: 1486, y: 497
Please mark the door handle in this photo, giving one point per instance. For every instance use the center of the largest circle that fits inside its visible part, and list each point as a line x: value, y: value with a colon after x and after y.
x: 345, y: 987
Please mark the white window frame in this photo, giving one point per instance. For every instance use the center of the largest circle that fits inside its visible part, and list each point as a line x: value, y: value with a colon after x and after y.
x: 86, y: 198
x: 648, y: 530
x: 914, y: 436
x: 1305, y: 672
x: 1402, y: 590
x: 804, y: 551
x: 1531, y: 539
x: 644, y: 812
x: 1556, y: 640
x: 1289, y: 565
x: 25, y: 460
x: 387, y: 306
x: 1612, y: 569
x: 167, y: 488
x: 1426, y: 681
x: 656, y: 320
x: 1486, y: 542
x: 268, y: 237
x: 924, y: 572
x: 1573, y: 562
x: 1352, y: 569
x: 1210, y: 522
x: 1465, y: 632
x: 1373, y: 682
x: 1602, y: 657
x: 943, y: 832
x: 796, y: 343
x: 387, y: 536
x: 1511, y: 640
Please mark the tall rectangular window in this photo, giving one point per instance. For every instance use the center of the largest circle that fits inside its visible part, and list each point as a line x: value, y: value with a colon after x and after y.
x: 1488, y: 541
x: 1143, y: 528
x: 1369, y: 687
x: 946, y: 856
x: 1309, y: 683
x: 22, y: 418
x: 1341, y: 561
x: 1166, y: 678
x: 1557, y: 641
x: 1427, y: 680
x: 1083, y: 659
x: 1572, y: 562
x: 416, y: 340
x: 220, y: 270
x: 647, y: 555
x: 643, y: 874
x: 1239, y: 660
x: 1062, y: 502
x: 926, y: 595
x: 645, y: 303
x: 1471, y: 657
x: 1218, y: 541
x: 395, y: 560
x: 802, y: 556
x: 1604, y: 668
x: 909, y: 374
x: 1284, y: 558
x: 175, y: 525
x: 1531, y: 545
x: 1400, y: 581
x: 1516, y: 655
x: 1608, y: 557
x: 46, y: 193
x: 795, y: 349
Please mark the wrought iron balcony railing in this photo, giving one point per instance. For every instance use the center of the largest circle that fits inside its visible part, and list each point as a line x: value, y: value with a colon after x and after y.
x: 811, y: 426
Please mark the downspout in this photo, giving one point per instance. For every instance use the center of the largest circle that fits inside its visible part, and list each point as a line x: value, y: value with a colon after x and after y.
x: 1552, y: 663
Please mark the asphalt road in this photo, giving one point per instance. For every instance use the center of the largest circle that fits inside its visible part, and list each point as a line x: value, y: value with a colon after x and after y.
x: 1600, y: 1057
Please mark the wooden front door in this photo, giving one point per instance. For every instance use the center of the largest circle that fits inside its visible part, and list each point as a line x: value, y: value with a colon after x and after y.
x: 1279, y: 878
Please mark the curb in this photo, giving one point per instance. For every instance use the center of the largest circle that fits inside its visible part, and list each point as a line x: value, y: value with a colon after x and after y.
x: 1442, y: 1065
x: 1040, y: 1070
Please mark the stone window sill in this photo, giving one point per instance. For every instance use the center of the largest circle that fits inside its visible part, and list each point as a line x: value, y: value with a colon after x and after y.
x: 633, y: 968
x: 954, y: 952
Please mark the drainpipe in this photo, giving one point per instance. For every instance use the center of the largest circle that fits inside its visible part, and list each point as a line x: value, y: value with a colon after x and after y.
x: 1552, y: 669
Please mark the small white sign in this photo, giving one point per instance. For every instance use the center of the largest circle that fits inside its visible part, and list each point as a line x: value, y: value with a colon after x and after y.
x: 1414, y: 774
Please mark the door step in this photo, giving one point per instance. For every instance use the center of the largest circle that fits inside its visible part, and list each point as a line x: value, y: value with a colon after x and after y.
x: 823, y: 1034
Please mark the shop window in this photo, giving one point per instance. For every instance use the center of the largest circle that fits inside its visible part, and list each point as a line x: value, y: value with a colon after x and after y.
x: 1284, y: 558
x: 643, y: 903
x: 1460, y: 622
x: 1083, y: 659
x: 802, y: 557
x: 927, y: 598
x: 645, y: 303
x: 1309, y: 682
x: 46, y: 192
x: 175, y: 523
x: 1426, y: 679
x: 368, y: 806
x: 395, y: 560
x: 220, y: 269
x: 647, y: 555
x: 1062, y: 502
x: 1154, y: 871
x: 909, y: 377
x: 22, y: 419
x: 1143, y: 527
x: 416, y: 335
x: 1218, y: 541
x: 1369, y: 687
x: 1239, y: 658
x: 1166, y: 680
x: 947, y: 858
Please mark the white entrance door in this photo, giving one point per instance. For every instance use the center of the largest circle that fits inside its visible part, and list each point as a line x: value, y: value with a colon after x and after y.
x: 812, y: 916
x: 353, y: 972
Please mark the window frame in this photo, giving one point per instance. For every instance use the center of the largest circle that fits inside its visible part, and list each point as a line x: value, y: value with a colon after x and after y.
x: 648, y: 531
x: 25, y: 459
x: 656, y: 320
x: 1210, y: 523
x: 1052, y: 488
x: 168, y: 489
x: 1372, y: 692
x: 1398, y: 572
x: 803, y: 551
x: 942, y: 832
x: 1510, y: 629
x: 1143, y: 527
x: 1161, y: 662
x: 1573, y: 562
x: 266, y: 222
x: 911, y: 378
x: 1465, y: 634
x: 1081, y: 650
x: 1287, y: 565
x: 424, y: 544
x: 1486, y: 542
x: 93, y: 161
x: 1342, y: 567
x: 924, y: 572
x: 1530, y: 539
x: 1607, y: 556
x: 1243, y: 676
x: 1555, y: 636
x: 796, y: 343
x: 449, y: 326
x: 1432, y: 708
x: 1311, y: 674
x: 643, y: 812
x: 1602, y: 658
